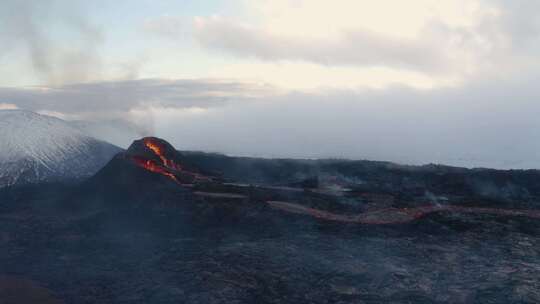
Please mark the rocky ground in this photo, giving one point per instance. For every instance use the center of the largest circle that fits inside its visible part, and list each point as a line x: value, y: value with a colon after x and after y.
x: 265, y: 256
x: 160, y: 226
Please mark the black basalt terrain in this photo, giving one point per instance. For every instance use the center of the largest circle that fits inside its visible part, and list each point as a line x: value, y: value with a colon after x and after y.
x: 160, y: 226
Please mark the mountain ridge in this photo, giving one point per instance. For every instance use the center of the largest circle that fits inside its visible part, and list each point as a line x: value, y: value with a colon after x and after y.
x: 38, y: 148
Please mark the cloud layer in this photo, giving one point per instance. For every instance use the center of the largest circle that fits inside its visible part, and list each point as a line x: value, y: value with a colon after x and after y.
x: 127, y: 101
x: 492, y: 124
x: 355, y: 47
x: 111, y: 97
x: 489, y: 124
x: 492, y: 36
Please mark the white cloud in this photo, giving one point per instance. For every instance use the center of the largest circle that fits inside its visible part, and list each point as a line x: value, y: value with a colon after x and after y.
x: 167, y: 26
x: 362, y: 48
x: 322, y: 18
x: 8, y: 106
x: 310, y: 76
x: 424, y: 36
x: 443, y: 41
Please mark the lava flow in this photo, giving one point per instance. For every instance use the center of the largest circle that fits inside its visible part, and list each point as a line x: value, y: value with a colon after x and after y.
x: 153, y: 166
x: 395, y: 215
x: 158, y: 150
x: 165, y: 165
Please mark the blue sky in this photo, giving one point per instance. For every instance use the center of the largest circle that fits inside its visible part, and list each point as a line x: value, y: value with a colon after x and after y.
x: 449, y: 81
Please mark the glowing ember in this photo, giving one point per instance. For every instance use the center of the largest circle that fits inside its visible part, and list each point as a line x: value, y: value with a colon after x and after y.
x: 152, y: 166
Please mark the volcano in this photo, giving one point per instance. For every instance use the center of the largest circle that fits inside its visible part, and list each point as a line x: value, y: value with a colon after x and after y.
x: 150, y: 172
x: 158, y: 156
x: 155, y: 157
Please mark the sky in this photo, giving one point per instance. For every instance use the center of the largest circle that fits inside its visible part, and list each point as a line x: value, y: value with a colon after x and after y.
x: 414, y: 82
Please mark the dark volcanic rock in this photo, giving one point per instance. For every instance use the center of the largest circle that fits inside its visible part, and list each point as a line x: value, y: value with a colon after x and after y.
x: 134, y: 234
x: 15, y: 290
x: 140, y: 148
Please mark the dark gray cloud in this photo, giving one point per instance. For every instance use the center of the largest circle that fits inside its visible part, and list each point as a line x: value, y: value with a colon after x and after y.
x: 121, y: 96
x: 486, y: 123
x: 355, y: 47
x: 111, y: 101
x: 490, y: 124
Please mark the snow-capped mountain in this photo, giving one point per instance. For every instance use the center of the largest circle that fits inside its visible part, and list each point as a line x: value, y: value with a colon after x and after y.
x: 35, y: 148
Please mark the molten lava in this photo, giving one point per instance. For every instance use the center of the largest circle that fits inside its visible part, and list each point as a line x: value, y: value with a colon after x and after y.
x: 153, y: 166
x: 159, y: 151
x: 166, y: 166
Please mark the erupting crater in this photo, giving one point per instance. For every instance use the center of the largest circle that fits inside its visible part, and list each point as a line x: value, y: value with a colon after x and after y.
x: 159, y: 150
x: 160, y: 157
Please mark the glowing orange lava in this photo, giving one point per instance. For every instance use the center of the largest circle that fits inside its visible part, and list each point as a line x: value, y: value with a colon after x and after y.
x: 166, y: 166
x: 159, y: 152
x: 152, y: 166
